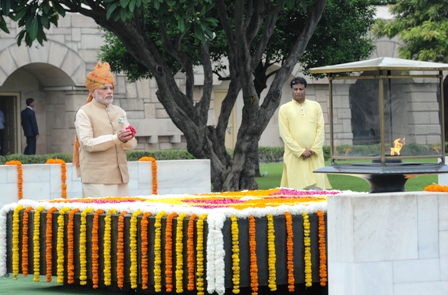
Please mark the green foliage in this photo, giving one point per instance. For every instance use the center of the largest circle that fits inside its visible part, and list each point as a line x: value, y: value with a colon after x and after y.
x: 421, y: 28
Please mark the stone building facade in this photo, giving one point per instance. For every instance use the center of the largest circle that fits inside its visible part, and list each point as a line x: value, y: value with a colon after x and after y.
x: 53, y: 74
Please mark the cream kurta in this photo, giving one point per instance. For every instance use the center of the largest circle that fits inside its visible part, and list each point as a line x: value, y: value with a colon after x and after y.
x: 301, y: 127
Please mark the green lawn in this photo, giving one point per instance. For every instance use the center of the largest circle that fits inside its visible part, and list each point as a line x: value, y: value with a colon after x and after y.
x: 272, y: 173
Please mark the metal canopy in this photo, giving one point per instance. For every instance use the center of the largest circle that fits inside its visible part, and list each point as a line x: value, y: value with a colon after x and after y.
x: 381, y: 63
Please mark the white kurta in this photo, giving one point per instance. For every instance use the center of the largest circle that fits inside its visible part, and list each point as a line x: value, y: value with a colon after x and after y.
x: 302, y: 127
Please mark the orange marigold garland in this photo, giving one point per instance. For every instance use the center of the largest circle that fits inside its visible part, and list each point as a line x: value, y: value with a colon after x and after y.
x: 322, y: 249
x: 83, y: 247
x: 120, y: 250
x: 144, y: 249
x: 95, y: 248
x: 169, y: 252
x: 71, y: 246
x: 36, y: 243
x: 307, y: 255
x: 158, y: 251
x: 16, y: 241
x: 154, y: 172
x: 180, y: 253
x: 60, y: 246
x: 190, y: 252
x: 436, y: 188
x: 272, y: 258
x: 235, y: 255
x: 19, y: 176
x: 200, y: 254
x: 253, y: 256
x: 290, y: 251
x: 49, y: 243
x: 63, y: 174
x: 133, y: 271
x: 25, y: 239
x: 107, y: 244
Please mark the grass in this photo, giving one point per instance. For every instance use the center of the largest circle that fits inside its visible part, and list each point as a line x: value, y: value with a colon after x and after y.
x: 272, y: 174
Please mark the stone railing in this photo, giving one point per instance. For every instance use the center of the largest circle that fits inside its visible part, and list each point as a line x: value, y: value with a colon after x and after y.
x: 43, y: 181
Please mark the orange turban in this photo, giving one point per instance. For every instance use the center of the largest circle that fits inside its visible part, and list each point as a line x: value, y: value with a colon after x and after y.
x: 100, y: 76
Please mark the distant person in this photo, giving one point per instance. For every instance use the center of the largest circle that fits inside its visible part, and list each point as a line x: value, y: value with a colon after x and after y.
x: 102, y: 138
x: 2, y: 129
x: 301, y: 124
x: 29, y: 125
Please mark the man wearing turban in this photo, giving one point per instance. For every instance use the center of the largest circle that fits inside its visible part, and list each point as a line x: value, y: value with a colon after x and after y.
x: 102, y: 138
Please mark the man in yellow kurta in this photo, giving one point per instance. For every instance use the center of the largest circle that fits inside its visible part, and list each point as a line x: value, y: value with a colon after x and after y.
x: 102, y: 138
x: 301, y: 124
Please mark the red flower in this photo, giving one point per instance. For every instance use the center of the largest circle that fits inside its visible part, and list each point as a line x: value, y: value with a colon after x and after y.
x: 132, y: 129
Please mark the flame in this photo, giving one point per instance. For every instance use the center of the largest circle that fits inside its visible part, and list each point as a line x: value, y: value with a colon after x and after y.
x: 398, y: 144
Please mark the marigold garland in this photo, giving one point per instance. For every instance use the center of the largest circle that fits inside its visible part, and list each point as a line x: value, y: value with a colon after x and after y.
x: 16, y: 240
x: 133, y: 272
x: 200, y: 254
x: 290, y: 251
x: 49, y: 243
x: 120, y: 250
x: 190, y: 252
x: 180, y: 253
x: 63, y: 174
x: 307, y: 255
x: 169, y: 252
x: 95, y: 248
x: 322, y: 249
x: 36, y: 243
x: 19, y: 176
x: 71, y: 246
x: 144, y: 250
x: 235, y: 255
x: 436, y: 188
x: 154, y: 172
x: 25, y: 239
x: 158, y: 251
x: 253, y: 256
x: 272, y: 258
x: 83, y: 247
x: 107, y: 245
x: 60, y: 245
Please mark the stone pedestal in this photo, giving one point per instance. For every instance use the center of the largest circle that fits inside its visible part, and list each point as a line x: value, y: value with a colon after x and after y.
x: 388, y: 244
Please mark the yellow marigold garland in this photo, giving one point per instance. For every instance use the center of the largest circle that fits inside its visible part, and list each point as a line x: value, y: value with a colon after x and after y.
x: 154, y: 172
x: 25, y: 238
x: 169, y: 252
x: 290, y: 251
x: 60, y: 245
x: 83, y: 247
x: 107, y: 244
x: 307, y: 244
x: 133, y: 271
x: 253, y: 256
x: 63, y: 174
x: 158, y: 251
x: 190, y: 252
x: 144, y: 250
x: 19, y: 176
x: 36, y: 243
x: 95, y: 248
x: 16, y: 241
x: 235, y: 255
x: 200, y: 254
x: 322, y: 249
x: 120, y: 250
x: 180, y: 253
x: 71, y: 246
x: 272, y: 258
x: 49, y: 243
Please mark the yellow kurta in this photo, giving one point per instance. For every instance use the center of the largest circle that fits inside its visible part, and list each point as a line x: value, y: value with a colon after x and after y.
x: 301, y: 127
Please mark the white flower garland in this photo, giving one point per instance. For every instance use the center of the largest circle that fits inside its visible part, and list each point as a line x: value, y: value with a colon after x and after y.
x: 215, y: 254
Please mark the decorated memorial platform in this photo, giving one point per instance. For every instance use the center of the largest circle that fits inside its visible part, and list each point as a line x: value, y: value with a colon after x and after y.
x: 202, y: 243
